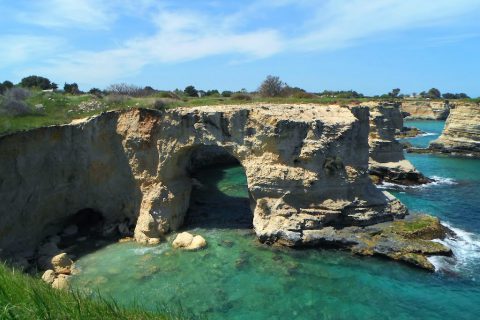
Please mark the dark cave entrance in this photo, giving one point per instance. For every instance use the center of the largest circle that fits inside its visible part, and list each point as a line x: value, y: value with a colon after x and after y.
x: 220, y: 197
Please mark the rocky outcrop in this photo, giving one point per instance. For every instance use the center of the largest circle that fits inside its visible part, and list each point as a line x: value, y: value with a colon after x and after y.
x: 188, y: 241
x: 425, y: 109
x: 306, y: 168
x: 461, y: 135
x: 387, y: 162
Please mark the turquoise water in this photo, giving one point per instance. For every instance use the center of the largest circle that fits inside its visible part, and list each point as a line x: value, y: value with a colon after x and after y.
x: 235, y: 277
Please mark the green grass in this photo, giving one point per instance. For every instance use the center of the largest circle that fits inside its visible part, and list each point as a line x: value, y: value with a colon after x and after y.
x: 25, y: 297
x: 60, y: 108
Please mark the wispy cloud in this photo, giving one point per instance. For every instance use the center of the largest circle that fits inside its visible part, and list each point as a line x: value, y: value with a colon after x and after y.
x: 180, y: 32
x: 72, y: 14
x: 18, y: 49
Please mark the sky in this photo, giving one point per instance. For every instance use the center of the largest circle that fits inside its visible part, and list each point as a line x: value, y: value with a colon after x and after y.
x: 370, y: 46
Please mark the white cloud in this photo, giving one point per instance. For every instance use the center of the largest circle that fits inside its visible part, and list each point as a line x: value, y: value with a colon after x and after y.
x: 18, y: 49
x: 75, y: 14
x: 342, y: 23
x: 184, y: 35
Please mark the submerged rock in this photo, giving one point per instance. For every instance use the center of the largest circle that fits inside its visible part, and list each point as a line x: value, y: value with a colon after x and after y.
x: 188, y: 241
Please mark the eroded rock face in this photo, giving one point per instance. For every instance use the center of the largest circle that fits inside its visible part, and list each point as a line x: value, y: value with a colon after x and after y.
x: 387, y: 162
x: 306, y: 167
x: 461, y: 134
x: 426, y: 110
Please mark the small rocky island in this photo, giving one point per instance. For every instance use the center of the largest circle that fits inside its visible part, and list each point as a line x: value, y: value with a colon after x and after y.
x: 308, y: 171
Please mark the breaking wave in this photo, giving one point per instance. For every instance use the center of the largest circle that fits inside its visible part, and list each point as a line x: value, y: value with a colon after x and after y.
x: 466, y: 253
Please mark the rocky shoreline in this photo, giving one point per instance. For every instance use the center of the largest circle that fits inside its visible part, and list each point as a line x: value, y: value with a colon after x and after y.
x: 307, y: 168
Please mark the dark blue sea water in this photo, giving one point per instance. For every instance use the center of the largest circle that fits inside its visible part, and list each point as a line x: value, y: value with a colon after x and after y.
x: 238, y: 278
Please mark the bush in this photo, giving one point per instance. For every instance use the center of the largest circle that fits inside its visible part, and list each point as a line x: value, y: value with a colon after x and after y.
x: 191, y: 91
x: 125, y: 89
x: 5, y: 85
x: 14, y: 107
x: 71, y: 88
x: 303, y: 95
x: 160, y: 105
x: 96, y: 92
x: 17, y: 94
x: 116, y: 98
x: 227, y: 94
x: 241, y: 96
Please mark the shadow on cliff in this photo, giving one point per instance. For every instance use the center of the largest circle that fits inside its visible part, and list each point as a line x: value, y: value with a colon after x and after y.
x: 219, y: 199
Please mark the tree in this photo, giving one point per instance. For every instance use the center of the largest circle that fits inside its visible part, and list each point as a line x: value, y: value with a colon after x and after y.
x: 434, y: 93
x: 191, y: 91
x: 212, y: 93
x: 455, y: 96
x: 394, y: 93
x: 272, y: 86
x: 71, y: 88
x: 227, y: 93
x: 95, y: 91
x: 5, y: 86
x: 37, y: 82
x: 125, y: 89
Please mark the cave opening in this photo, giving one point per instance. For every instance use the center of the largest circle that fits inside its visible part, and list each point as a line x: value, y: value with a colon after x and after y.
x: 220, y: 197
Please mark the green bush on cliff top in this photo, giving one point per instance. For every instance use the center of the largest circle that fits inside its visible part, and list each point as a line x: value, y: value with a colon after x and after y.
x: 24, y: 297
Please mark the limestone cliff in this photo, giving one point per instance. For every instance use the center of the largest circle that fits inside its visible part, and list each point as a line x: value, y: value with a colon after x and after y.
x: 306, y: 168
x: 461, y: 134
x: 426, y: 110
x: 387, y: 162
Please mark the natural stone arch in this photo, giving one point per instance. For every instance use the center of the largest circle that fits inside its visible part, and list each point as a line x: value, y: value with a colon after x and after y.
x: 306, y: 167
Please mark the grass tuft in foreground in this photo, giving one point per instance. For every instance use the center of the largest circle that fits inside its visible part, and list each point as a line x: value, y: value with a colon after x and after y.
x: 24, y: 297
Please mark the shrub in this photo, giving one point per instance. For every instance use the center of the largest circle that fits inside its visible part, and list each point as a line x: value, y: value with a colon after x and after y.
x: 14, y: 107
x: 17, y: 94
x: 227, y: 94
x: 303, y: 95
x: 125, y: 89
x: 116, y: 98
x: 5, y: 85
x: 191, y: 91
x: 160, y: 105
x: 71, y: 88
x: 96, y: 92
x: 241, y: 96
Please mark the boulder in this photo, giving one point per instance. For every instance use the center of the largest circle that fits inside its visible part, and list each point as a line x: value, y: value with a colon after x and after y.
x: 61, y: 282
x: 188, y: 241
x: 62, y: 263
x: 48, y: 276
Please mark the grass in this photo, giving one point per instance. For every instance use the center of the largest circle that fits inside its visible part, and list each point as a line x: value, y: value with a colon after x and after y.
x: 25, y: 297
x: 60, y: 108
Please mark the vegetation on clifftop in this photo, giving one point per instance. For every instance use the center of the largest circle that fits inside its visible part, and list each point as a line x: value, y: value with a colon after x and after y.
x: 34, y: 102
x: 24, y: 297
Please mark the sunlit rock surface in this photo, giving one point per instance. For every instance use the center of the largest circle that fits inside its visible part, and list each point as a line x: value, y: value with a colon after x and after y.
x: 461, y: 134
x: 306, y: 169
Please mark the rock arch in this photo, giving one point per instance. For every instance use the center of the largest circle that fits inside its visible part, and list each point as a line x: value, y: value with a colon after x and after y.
x: 306, y: 166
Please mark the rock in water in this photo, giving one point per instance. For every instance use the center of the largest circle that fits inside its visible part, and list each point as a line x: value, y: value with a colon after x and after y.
x: 387, y: 162
x: 62, y: 264
x: 461, y: 134
x: 187, y: 241
x: 306, y: 167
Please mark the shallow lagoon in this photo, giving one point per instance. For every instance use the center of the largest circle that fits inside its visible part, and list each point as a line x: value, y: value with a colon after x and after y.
x: 238, y: 278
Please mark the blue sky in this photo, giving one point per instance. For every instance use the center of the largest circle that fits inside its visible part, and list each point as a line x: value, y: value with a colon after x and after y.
x: 370, y: 46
